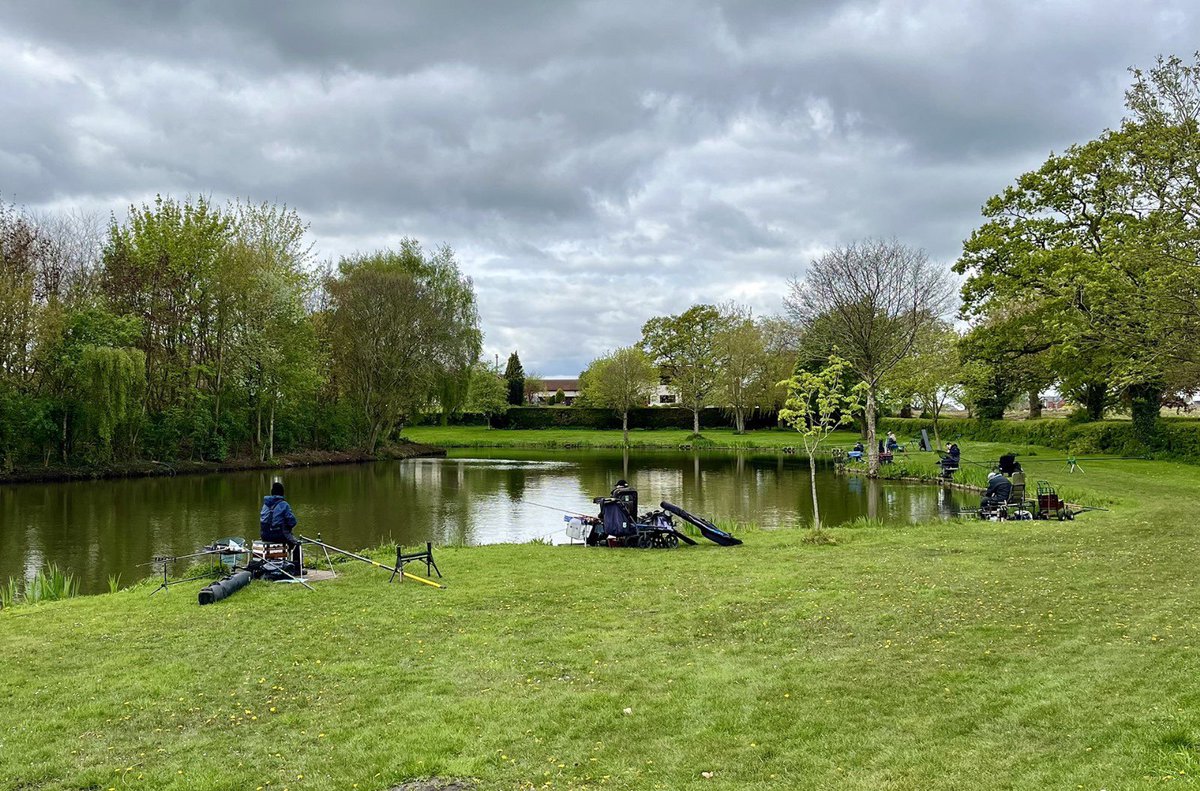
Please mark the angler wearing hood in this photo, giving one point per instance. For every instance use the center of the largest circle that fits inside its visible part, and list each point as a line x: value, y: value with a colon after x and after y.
x: 276, y: 520
x: 999, y: 489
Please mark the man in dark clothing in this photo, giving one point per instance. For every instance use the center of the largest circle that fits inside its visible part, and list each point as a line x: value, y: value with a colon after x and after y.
x: 950, y: 461
x: 276, y: 520
x: 999, y: 489
x: 628, y: 497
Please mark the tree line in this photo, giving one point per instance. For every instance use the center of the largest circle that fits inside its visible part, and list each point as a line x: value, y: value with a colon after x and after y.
x: 1084, y: 277
x: 188, y: 330
x: 875, y: 307
x: 1085, y: 273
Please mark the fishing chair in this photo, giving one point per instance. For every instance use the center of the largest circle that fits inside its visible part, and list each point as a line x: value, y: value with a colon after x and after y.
x: 274, y: 552
x: 1018, y: 505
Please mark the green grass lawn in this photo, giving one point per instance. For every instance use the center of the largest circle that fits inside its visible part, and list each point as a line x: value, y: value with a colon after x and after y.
x: 947, y: 656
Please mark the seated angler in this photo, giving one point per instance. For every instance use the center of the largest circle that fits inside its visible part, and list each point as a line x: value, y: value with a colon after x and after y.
x: 628, y: 497
x: 950, y: 460
x: 953, y: 453
x: 999, y: 489
x: 276, y: 520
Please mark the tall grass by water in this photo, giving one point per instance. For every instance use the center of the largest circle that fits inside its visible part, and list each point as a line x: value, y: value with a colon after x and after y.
x: 50, y: 583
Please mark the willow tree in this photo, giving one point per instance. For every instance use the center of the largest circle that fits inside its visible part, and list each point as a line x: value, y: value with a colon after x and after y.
x: 870, y: 301
x: 401, y: 321
x: 111, y: 382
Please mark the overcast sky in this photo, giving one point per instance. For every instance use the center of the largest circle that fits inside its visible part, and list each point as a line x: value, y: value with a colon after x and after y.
x: 593, y: 164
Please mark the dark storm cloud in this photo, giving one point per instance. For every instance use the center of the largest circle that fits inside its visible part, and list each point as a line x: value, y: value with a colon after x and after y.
x: 662, y: 151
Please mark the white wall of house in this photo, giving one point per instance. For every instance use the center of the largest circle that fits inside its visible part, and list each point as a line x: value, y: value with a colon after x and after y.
x: 664, y: 395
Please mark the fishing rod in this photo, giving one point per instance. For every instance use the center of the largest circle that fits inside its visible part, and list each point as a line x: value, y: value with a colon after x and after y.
x: 172, y: 558
x: 1070, y: 459
x: 986, y: 465
x: 553, y: 508
x: 392, y: 569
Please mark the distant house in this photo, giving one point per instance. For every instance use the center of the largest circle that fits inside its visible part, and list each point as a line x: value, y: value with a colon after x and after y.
x: 664, y: 395
x: 550, y: 387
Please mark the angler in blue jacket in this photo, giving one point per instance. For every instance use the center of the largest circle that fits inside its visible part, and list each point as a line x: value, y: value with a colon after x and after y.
x: 276, y: 521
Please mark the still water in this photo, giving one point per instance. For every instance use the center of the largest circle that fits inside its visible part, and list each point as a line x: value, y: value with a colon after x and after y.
x: 477, y: 496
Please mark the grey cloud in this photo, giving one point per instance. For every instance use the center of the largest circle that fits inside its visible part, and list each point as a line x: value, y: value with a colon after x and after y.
x: 665, y: 152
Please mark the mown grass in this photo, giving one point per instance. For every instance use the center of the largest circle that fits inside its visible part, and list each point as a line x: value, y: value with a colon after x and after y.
x: 947, y: 656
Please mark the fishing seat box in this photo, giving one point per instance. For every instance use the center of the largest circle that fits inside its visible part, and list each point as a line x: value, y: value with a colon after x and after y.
x: 271, y: 551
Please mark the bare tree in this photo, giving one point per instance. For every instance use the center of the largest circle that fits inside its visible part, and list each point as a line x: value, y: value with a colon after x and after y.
x: 869, y: 301
x: 74, y: 258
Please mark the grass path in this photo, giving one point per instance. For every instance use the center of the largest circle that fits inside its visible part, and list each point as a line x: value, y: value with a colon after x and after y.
x: 946, y: 656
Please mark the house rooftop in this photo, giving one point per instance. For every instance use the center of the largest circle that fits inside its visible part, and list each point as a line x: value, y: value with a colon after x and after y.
x: 552, y: 385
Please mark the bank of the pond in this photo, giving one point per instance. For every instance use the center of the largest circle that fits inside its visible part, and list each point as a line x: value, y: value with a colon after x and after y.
x: 149, y: 469
x: 938, y: 656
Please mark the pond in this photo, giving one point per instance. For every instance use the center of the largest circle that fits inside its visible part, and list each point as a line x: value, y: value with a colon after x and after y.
x: 478, y: 496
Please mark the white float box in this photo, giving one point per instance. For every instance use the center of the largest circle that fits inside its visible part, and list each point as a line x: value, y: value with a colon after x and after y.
x: 576, y: 529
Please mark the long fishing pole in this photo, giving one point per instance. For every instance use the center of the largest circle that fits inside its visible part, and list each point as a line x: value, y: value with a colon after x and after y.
x: 392, y: 569
x: 172, y: 558
x: 1030, y: 459
x: 553, y: 508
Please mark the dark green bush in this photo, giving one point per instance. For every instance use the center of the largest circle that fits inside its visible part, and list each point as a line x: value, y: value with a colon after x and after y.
x: 535, y: 417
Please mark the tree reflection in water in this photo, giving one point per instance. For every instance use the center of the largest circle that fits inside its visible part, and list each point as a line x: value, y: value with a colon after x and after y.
x: 476, y: 496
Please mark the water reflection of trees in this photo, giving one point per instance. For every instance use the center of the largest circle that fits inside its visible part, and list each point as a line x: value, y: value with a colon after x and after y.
x: 105, y: 527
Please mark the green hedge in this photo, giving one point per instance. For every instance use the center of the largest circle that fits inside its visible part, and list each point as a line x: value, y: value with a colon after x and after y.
x: 645, y: 417
x: 540, y: 417
x: 1177, y: 439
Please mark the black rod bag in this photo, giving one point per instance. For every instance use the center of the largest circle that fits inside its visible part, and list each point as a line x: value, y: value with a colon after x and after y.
x: 215, y: 591
x: 706, y: 528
